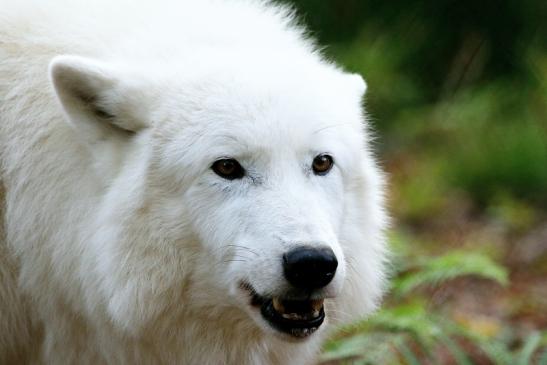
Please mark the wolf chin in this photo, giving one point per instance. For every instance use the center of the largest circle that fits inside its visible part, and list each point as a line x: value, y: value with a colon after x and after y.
x: 182, y: 182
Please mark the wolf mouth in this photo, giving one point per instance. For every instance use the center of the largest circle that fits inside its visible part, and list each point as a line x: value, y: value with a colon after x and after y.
x: 297, y: 318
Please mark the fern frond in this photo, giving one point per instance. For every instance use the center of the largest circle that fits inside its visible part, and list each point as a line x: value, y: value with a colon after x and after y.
x: 435, y: 271
x: 543, y: 358
x: 370, y: 348
x: 531, y: 344
x: 406, y: 353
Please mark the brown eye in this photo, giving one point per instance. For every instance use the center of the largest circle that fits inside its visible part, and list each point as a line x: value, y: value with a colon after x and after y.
x: 228, y: 168
x: 322, y: 164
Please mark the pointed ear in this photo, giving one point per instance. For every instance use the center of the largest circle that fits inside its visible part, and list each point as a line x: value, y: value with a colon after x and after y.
x: 95, y: 99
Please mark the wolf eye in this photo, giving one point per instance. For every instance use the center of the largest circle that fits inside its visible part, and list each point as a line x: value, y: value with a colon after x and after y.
x: 322, y: 164
x: 228, y: 168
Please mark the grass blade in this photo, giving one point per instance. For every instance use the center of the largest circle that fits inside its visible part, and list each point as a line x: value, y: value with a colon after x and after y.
x: 530, y: 346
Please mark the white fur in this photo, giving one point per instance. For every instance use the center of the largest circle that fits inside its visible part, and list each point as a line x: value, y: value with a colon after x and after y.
x: 118, y: 243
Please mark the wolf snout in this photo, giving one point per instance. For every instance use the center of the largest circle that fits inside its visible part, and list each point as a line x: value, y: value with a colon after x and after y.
x: 309, y: 268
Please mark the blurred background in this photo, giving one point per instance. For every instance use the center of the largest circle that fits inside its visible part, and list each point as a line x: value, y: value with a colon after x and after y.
x: 457, y: 92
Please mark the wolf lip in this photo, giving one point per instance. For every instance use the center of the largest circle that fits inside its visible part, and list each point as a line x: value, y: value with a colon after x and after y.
x: 298, y: 318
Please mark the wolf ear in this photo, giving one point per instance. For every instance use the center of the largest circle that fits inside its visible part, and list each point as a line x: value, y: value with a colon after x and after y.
x: 95, y: 99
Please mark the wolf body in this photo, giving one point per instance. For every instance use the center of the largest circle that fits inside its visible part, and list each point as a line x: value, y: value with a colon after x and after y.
x: 119, y: 241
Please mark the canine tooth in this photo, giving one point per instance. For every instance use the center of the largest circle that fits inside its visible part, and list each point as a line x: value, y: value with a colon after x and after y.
x: 315, y: 313
x: 292, y: 316
x: 278, y: 306
x: 317, y: 304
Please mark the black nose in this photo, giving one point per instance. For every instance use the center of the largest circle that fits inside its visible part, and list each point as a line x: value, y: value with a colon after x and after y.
x: 309, y: 268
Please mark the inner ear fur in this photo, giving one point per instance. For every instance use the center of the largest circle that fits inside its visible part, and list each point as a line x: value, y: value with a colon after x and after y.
x: 93, y: 97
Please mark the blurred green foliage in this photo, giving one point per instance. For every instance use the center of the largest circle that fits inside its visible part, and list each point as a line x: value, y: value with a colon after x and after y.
x: 432, y: 37
x: 410, y: 332
x: 467, y: 79
x: 457, y: 91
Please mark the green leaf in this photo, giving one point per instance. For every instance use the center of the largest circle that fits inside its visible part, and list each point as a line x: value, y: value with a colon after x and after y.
x: 370, y: 348
x: 406, y: 352
x: 345, y: 348
x: 435, y: 271
x: 458, y: 354
x: 498, y: 352
x: 543, y: 358
x: 530, y: 346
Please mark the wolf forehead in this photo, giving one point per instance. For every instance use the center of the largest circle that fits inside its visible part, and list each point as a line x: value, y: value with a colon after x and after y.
x: 249, y: 112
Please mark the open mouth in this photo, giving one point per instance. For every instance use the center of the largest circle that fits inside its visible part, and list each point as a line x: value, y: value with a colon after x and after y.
x: 297, y: 318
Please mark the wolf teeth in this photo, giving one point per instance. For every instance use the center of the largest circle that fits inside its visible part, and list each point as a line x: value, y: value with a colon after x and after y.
x: 278, y: 306
x: 314, y: 311
x: 317, y: 304
x: 301, y: 316
x: 293, y: 316
x: 304, y: 332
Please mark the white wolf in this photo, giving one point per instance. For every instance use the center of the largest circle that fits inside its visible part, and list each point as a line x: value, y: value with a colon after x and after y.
x: 181, y: 182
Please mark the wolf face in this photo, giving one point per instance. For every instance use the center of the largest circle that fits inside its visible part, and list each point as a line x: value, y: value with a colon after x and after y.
x: 232, y: 190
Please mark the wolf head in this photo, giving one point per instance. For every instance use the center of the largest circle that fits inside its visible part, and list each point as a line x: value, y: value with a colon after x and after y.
x: 230, y: 189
